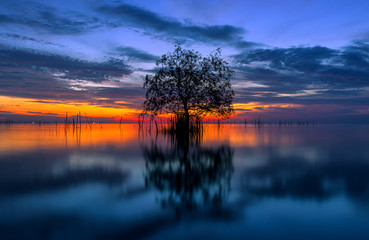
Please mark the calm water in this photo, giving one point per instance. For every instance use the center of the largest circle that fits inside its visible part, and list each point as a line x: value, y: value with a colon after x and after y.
x: 232, y: 182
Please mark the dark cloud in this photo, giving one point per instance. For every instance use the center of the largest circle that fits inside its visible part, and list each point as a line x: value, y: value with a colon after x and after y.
x: 356, y: 55
x: 328, y: 85
x: 25, y: 38
x: 134, y: 54
x: 22, y: 82
x: 345, y: 98
x: 306, y: 72
x: 34, y: 84
x: 67, y: 67
x: 342, y: 68
x: 35, y: 112
x: 45, y: 101
x: 173, y: 30
x: 307, y: 59
x: 54, y: 79
x: 46, y: 18
x: 51, y: 114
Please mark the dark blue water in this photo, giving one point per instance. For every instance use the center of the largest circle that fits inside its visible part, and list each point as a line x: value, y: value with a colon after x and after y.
x: 297, y: 182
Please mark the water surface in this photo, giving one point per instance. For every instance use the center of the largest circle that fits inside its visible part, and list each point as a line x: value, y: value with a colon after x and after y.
x: 107, y: 181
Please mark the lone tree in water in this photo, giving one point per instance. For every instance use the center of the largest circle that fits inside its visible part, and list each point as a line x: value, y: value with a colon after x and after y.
x: 190, y: 86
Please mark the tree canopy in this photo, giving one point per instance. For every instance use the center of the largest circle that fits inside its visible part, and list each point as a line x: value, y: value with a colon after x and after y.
x: 190, y: 85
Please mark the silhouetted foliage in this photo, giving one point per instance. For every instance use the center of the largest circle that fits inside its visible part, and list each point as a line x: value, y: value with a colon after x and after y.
x: 190, y: 86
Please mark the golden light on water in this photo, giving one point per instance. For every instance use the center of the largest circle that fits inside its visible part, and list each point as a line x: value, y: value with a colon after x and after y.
x: 30, y: 137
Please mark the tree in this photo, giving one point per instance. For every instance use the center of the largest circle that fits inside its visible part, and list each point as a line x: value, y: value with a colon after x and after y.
x: 190, y: 86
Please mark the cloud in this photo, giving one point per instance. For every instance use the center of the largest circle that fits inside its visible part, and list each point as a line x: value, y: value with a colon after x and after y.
x: 62, y: 65
x: 320, y: 63
x: 52, y: 20
x: 305, y: 59
x: 52, y: 78
x: 330, y: 85
x: 41, y: 113
x: 134, y: 54
x: 13, y: 36
x: 45, y: 101
x: 44, y: 18
x: 34, y: 112
x: 306, y: 72
x: 171, y: 29
x: 45, y: 88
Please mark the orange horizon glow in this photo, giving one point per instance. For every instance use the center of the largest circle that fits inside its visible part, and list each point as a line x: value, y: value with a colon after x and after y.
x: 28, y: 106
x: 35, y: 107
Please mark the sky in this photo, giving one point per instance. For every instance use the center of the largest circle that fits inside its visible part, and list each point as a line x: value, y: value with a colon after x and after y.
x: 294, y: 60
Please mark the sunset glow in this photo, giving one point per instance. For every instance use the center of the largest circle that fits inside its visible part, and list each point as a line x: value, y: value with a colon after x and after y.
x: 292, y: 61
x: 33, y: 107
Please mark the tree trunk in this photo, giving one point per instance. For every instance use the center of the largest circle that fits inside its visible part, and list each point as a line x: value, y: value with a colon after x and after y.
x: 187, y: 120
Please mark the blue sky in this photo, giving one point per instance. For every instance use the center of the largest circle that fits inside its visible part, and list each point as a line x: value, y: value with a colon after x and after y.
x: 294, y: 60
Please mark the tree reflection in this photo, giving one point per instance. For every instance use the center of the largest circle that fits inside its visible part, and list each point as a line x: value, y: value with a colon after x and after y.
x: 187, y: 174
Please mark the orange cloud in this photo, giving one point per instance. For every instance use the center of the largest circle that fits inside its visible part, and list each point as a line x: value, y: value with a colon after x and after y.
x: 256, y: 106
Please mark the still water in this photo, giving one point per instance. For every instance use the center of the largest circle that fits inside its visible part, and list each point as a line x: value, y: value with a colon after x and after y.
x: 232, y: 182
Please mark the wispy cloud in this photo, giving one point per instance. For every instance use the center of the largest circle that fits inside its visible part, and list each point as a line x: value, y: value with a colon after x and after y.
x: 42, y: 113
x: 13, y: 36
x: 134, y: 54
